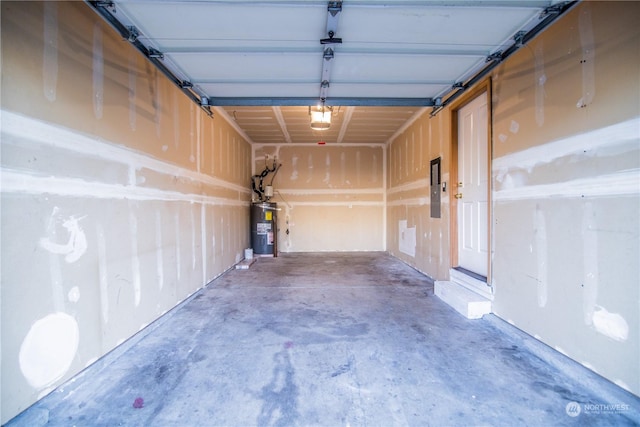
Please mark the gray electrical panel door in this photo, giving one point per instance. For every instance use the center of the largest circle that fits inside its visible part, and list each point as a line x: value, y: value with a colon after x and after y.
x: 435, y: 188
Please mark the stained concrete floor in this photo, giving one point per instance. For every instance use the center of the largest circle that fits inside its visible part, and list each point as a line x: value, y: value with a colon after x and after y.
x: 352, y: 339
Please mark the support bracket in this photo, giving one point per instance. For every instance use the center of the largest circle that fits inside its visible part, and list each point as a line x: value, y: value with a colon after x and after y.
x: 333, y: 13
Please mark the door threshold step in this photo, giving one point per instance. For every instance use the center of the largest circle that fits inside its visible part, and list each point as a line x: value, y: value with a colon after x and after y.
x: 464, y: 301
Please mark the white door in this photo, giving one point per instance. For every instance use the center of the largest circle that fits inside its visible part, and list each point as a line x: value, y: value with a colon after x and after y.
x: 473, y: 186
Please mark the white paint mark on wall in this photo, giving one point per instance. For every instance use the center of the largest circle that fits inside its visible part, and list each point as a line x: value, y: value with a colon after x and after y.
x: 540, y: 230
x: 212, y: 129
x: 76, y: 244
x: 294, y: 168
x: 48, y: 349
x: 540, y: 80
x: 74, y: 294
x: 228, y: 152
x: 102, y: 273
x: 222, y: 235
x: 343, y: 168
x: 420, y: 145
x: 616, y: 184
x: 407, y: 238
x: 590, y: 262
x: 588, y: 61
x: 615, y: 139
x: 503, y: 138
x: 55, y: 271
x: 220, y: 151
x: 406, y: 157
x: 192, y: 132
x: 133, y: 69
x: 309, y: 167
x: 176, y: 120
x: 203, y: 241
x: 514, y: 127
x: 98, y: 71
x: 135, y: 260
x: 157, y: 110
x: 178, y: 267
x: 159, y: 254
x: 50, y: 52
x: 327, y: 175
x: 612, y: 325
x: 374, y: 169
x: 192, y: 220
x: 358, y: 167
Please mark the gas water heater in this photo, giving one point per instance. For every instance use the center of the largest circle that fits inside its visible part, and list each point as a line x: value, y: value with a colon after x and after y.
x: 264, y: 218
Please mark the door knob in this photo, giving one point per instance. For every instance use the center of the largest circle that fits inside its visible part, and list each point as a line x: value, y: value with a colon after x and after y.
x: 458, y: 196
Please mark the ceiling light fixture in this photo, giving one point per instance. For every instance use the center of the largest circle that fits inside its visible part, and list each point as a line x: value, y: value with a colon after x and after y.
x: 321, y: 118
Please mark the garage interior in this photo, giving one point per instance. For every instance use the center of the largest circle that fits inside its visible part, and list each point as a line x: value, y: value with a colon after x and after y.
x: 461, y: 240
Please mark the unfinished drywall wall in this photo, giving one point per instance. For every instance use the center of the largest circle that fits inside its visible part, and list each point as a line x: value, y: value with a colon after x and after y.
x: 331, y: 196
x: 566, y: 190
x: 120, y: 197
x: 566, y: 173
x: 413, y: 235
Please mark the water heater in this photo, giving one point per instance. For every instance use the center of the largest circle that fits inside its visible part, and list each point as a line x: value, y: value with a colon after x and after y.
x: 264, y: 228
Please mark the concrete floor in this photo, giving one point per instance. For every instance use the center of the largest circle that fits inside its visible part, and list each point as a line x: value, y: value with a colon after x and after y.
x: 329, y: 340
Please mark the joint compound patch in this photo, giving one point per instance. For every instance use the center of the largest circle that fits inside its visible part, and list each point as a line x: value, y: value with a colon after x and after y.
x: 48, y: 349
x: 76, y: 244
x: 612, y: 325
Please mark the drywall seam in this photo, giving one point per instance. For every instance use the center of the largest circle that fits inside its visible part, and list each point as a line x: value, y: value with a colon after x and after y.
x: 420, y: 184
x: 103, y: 274
x: 159, y: 254
x: 277, y: 145
x: 540, y: 80
x: 347, y: 204
x: 310, y: 192
x: 198, y: 141
x: 192, y: 225
x: 135, y: 259
x: 590, y: 262
x: 50, y: 51
x: 421, y: 201
x: 623, y: 135
x: 178, y: 245
x: 203, y: 241
x: 27, y: 129
x: 132, y: 95
x: 385, y: 166
x: 542, y: 259
x: 17, y: 182
x: 588, y: 60
x: 98, y: 72
x: 625, y: 183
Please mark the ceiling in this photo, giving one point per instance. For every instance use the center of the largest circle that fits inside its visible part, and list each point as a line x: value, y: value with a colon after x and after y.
x: 376, y: 64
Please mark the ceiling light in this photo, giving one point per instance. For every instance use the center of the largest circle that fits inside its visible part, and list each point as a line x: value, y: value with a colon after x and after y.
x: 321, y: 119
